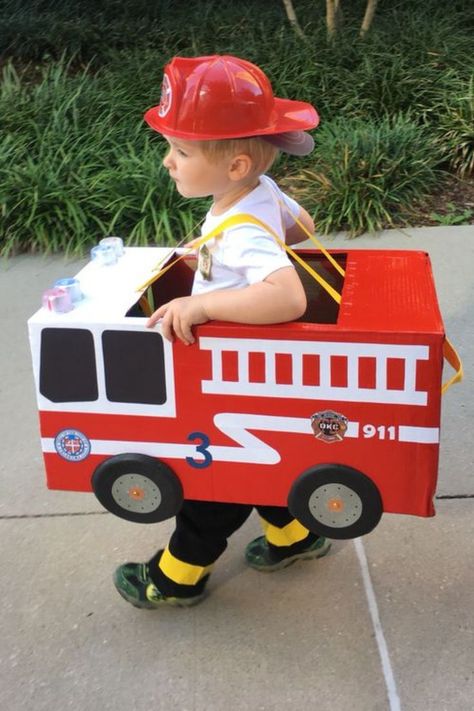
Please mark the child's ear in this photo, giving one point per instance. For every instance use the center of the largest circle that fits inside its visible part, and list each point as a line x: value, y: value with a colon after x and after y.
x: 240, y: 167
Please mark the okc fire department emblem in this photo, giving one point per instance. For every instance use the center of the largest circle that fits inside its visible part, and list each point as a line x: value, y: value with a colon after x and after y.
x: 329, y: 426
x: 72, y: 445
x: 165, y: 98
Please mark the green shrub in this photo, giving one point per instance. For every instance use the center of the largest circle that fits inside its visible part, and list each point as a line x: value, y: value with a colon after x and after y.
x: 366, y: 173
x: 455, y: 129
x: 76, y: 161
x: 81, y: 166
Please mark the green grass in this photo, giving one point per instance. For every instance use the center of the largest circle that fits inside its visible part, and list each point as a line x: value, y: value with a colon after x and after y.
x: 455, y: 128
x: 81, y: 166
x: 367, y: 173
x: 77, y: 161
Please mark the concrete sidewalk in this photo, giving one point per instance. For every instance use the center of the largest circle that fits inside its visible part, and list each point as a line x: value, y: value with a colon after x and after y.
x: 384, y: 622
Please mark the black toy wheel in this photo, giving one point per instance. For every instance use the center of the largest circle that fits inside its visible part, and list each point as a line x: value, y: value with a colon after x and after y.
x: 335, y: 501
x: 138, y: 488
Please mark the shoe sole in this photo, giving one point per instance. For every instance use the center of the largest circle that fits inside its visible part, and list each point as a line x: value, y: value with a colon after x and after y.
x: 310, y: 555
x: 170, y: 602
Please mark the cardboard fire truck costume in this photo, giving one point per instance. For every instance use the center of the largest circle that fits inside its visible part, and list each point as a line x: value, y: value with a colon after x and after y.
x: 336, y: 416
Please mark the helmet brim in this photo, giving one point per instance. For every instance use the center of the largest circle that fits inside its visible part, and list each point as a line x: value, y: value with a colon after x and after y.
x: 296, y: 143
x: 288, y: 116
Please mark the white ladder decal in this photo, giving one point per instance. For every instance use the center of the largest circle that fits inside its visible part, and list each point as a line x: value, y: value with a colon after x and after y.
x: 381, y: 353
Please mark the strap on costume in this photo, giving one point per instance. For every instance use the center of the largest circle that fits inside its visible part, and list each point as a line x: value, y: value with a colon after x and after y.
x: 229, y: 222
x: 241, y: 219
x: 314, y: 240
x: 451, y: 355
x: 449, y: 352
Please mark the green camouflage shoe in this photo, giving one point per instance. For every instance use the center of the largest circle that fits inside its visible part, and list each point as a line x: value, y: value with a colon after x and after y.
x: 134, y: 584
x: 260, y: 556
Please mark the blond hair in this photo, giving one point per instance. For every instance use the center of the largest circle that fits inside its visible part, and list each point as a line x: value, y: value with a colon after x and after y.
x: 261, y: 152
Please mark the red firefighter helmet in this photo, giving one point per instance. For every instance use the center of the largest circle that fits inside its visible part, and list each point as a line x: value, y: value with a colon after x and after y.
x: 220, y: 96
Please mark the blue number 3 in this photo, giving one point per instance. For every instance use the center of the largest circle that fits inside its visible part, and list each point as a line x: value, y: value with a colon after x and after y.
x: 202, y: 449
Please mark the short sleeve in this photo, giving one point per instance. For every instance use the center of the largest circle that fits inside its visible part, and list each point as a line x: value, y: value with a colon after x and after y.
x: 254, y: 253
x: 294, y: 208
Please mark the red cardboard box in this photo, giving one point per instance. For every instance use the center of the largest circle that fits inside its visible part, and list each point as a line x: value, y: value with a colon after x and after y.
x: 336, y: 416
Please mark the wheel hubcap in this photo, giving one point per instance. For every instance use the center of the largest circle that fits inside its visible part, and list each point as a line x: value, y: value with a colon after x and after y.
x: 335, y: 505
x: 136, y: 493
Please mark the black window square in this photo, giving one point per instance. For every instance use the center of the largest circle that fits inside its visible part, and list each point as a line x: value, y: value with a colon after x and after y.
x: 68, y: 366
x: 134, y: 367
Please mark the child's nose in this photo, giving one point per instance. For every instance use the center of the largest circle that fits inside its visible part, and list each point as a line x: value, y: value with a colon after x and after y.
x: 167, y: 162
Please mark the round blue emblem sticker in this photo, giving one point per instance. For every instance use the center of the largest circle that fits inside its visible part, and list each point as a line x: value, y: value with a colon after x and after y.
x: 72, y: 445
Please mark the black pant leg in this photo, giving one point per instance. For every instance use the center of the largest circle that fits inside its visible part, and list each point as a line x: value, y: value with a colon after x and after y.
x: 200, y: 537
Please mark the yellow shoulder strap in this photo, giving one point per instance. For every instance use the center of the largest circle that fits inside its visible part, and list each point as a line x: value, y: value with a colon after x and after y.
x: 449, y: 352
x: 241, y: 219
x: 229, y: 222
x: 451, y: 355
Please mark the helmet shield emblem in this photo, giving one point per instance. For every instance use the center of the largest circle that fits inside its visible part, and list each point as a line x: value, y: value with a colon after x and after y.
x: 166, y: 96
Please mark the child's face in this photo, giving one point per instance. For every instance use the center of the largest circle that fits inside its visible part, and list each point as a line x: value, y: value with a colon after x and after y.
x: 193, y: 173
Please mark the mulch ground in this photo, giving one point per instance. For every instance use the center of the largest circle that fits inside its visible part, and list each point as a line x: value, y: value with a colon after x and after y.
x: 452, y: 204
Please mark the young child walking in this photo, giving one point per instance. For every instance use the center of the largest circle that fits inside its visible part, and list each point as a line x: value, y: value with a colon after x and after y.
x: 224, y: 129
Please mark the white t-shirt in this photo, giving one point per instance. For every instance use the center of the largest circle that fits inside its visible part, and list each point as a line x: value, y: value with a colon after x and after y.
x: 246, y: 254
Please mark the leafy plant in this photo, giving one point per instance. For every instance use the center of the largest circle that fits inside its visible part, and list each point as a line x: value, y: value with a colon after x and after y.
x: 76, y: 161
x: 366, y: 173
x: 82, y: 166
x: 456, y: 128
x: 452, y: 216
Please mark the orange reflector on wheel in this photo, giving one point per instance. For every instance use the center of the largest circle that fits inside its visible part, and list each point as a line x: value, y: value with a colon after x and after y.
x: 336, y: 505
x: 136, y: 493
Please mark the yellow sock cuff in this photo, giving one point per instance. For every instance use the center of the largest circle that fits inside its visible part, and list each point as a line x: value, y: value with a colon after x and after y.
x: 179, y: 571
x: 293, y: 532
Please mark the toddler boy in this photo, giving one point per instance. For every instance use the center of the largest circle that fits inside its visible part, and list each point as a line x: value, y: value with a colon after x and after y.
x: 224, y: 128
